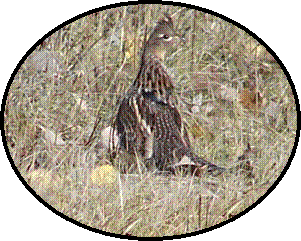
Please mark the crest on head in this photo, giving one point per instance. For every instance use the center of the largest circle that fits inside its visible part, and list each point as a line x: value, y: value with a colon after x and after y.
x: 161, y: 39
x: 166, y: 20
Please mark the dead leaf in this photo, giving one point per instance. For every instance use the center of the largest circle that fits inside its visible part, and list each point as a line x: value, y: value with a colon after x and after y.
x: 52, y: 137
x: 104, y: 175
x: 251, y: 99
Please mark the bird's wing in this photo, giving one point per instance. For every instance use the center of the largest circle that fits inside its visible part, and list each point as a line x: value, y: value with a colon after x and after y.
x: 134, y: 125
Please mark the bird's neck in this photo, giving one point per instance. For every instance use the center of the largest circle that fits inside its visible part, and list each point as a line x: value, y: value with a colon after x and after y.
x: 153, y: 78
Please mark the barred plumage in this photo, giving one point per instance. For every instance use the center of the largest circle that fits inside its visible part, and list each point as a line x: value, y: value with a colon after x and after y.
x: 148, y: 122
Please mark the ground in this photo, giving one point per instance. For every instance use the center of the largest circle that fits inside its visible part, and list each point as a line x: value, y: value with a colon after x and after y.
x: 231, y: 93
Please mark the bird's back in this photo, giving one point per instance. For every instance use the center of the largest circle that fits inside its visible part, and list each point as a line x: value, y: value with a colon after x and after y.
x: 148, y: 123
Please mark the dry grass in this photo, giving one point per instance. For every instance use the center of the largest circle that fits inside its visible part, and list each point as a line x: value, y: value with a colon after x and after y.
x: 231, y: 91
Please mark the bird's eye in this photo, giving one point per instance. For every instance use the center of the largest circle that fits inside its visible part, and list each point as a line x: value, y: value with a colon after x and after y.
x: 165, y: 37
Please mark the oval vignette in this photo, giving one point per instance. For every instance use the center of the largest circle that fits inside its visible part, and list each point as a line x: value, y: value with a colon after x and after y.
x: 231, y: 93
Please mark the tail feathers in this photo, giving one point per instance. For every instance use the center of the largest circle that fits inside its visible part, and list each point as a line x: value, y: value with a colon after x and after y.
x: 211, y: 169
x: 242, y: 164
x: 200, y: 165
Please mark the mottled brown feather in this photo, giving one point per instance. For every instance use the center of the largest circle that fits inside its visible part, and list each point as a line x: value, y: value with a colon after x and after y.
x: 147, y: 120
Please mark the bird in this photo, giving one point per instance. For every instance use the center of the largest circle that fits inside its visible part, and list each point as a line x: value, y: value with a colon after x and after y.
x: 148, y: 123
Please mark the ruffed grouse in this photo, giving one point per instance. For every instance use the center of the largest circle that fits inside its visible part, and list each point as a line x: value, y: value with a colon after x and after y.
x: 147, y: 122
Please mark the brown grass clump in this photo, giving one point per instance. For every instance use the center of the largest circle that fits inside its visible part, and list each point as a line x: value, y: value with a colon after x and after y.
x: 231, y: 93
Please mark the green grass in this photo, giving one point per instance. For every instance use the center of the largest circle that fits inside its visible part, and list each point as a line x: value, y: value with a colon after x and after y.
x: 51, y: 113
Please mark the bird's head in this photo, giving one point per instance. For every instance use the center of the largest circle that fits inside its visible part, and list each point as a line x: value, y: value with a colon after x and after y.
x: 163, y: 38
